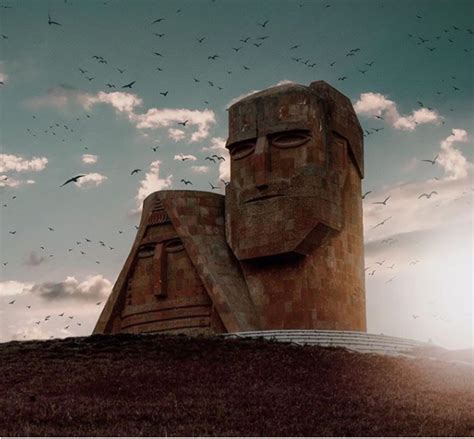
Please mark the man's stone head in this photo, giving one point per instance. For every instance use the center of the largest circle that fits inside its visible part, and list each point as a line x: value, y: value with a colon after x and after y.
x: 290, y: 147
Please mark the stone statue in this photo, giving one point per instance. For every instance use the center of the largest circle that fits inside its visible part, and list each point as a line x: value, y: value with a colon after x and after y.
x: 180, y: 275
x: 294, y: 206
x: 289, y: 254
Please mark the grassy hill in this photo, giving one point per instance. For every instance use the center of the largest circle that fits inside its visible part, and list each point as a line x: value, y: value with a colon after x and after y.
x: 157, y: 385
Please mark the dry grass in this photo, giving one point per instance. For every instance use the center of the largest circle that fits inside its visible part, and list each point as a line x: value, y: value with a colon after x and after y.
x: 157, y: 385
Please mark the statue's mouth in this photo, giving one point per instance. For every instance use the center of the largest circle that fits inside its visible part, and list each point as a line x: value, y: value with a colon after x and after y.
x: 262, y: 197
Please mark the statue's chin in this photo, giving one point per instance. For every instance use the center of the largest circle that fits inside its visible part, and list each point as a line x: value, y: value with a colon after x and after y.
x: 267, y: 227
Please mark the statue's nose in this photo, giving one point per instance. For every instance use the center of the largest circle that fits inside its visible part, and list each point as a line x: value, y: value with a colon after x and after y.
x: 261, y: 159
x: 159, y: 268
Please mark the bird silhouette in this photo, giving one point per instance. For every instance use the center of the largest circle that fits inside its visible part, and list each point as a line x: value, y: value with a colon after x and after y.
x: 155, y: 148
x: 164, y: 93
x: 129, y: 85
x: 183, y: 123
x: 431, y: 161
x: 158, y: 20
x: 11, y: 303
x: 12, y: 233
x: 210, y: 159
x: 342, y: 78
x: 367, y: 193
x: 428, y: 196
x: 384, y: 202
x: 82, y: 70
x: 213, y: 187
x: 246, y: 68
x: 50, y: 22
x: 218, y: 157
x: 121, y: 70
x: 158, y: 54
x: 73, y: 179
x: 135, y: 171
x: 382, y: 223
x: 159, y: 35
x: 90, y: 78
x: 186, y: 182
x: 213, y: 57
x: 264, y: 23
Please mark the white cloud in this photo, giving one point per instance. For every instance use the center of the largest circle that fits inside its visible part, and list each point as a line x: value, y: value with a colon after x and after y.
x: 13, y: 182
x: 90, y: 180
x: 89, y: 158
x: 200, y: 169
x: 244, y: 95
x: 14, y: 288
x: 151, y: 183
x: 156, y: 118
x: 376, y: 104
x: 451, y: 159
x: 176, y: 134
x: 185, y: 156
x: 121, y: 101
x: 3, y: 77
x: 10, y: 162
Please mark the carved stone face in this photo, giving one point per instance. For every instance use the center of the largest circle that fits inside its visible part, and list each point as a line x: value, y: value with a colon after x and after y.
x: 287, y: 172
x: 161, y: 269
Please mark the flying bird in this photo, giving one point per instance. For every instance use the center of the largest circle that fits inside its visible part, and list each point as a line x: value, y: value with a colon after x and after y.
x: 73, y: 179
x: 164, y: 93
x: 158, y: 20
x: 342, y: 78
x: 431, y: 161
x: 428, y: 196
x: 183, y: 123
x: 213, y: 187
x: 121, y: 70
x: 11, y: 303
x: 264, y: 23
x: 135, y: 171
x: 210, y: 159
x: 218, y: 157
x: 384, y: 202
x: 129, y: 85
x: 186, y: 182
x: 12, y: 233
x: 367, y: 193
x: 50, y: 22
x: 382, y: 223
x: 82, y: 70
x: 155, y: 148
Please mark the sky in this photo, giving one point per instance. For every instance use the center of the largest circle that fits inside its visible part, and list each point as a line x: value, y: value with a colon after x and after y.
x: 64, y: 111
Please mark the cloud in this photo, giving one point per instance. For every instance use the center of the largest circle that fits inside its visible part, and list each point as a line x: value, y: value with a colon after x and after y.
x: 92, y: 288
x: 185, y: 156
x: 3, y: 77
x: 14, y: 288
x: 58, y: 97
x: 121, y: 101
x: 89, y: 158
x: 376, y: 104
x: 451, y: 159
x: 156, y: 118
x: 409, y: 213
x: 218, y: 146
x: 244, y: 95
x: 176, y: 134
x: 151, y: 183
x: 13, y: 182
x: 90, y: 180
x: 33, y: 259
x: 200, y: 169
x: 10, y: 162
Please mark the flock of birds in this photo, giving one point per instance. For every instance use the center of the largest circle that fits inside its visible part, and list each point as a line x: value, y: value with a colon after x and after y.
x: 119, y: 78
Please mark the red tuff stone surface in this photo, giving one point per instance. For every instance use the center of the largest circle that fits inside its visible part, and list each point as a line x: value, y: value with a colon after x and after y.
x: 294, y: 206
x: 283, y: 250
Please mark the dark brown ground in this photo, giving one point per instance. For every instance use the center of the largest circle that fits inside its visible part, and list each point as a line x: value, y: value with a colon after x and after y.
x: 173, y: 385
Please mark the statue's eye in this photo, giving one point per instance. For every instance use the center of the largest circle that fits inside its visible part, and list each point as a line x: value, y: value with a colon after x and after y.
x: 173, y: 246
x: 241, y: 150
x: 146, y: 251
x: 290, y: 139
